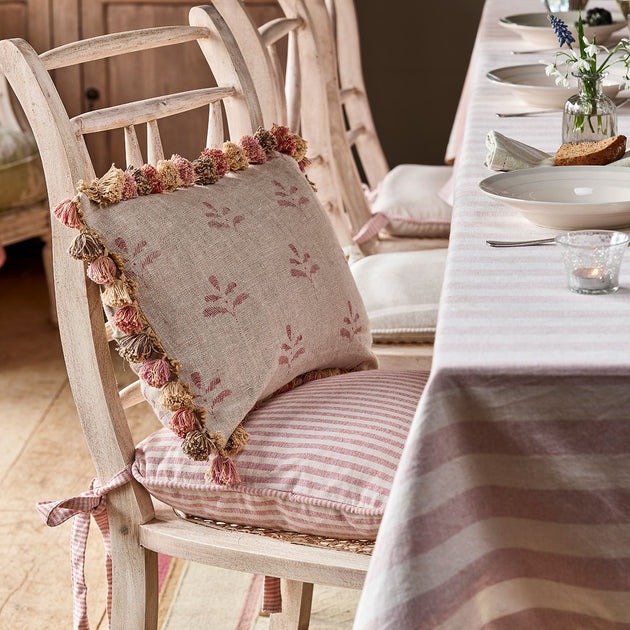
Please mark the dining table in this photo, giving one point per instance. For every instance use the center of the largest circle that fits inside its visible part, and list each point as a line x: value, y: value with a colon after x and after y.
x: 510, y: 508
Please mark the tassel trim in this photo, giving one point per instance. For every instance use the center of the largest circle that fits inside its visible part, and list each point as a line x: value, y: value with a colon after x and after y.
x: 139, y: 344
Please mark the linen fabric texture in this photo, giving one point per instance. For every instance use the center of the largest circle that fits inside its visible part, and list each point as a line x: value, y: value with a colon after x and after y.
x: 415, y: 200
x: 401, y: 292
x: 320, y: 458
x: 243, y: 283
x: 21, y: 174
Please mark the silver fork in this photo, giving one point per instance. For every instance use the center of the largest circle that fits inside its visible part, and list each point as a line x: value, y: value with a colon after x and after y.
x: 534, y: 242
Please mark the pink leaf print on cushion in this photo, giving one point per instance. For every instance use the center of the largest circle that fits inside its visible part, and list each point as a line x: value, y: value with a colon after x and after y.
x: 136, y: 262
x: 293, y: 349
x: 221, y: 218
x: 228, y: 304
x: 352, y: 323
x: 290, y: 198
x: 204, y: 395
x: 302, y: 267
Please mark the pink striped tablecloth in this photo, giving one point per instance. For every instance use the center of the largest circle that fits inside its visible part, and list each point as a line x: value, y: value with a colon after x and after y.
x: 511, y: 505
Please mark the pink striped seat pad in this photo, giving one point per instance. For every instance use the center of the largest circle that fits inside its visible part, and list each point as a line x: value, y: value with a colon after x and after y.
x: 320, y: 459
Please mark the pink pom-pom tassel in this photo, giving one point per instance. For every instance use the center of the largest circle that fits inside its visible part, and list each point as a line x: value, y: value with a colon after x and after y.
x: 150, y: 172
x: 219, y: 159
x: 185, y: 169
x: 155, y: 373
x: 67, y: 213
x: 127, y: 320
x: 304, y: 163
x: 253, y: 150
x: 182, y: 422
x: 286, y: 144
x: 130, y: 188
x: 102, y: 270
x: 223, y: 471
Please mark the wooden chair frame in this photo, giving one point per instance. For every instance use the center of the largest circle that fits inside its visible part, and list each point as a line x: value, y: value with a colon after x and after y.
x: 139, y: 526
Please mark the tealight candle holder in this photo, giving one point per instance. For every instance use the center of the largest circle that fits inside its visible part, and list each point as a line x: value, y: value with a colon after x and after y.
x: 592, y: 259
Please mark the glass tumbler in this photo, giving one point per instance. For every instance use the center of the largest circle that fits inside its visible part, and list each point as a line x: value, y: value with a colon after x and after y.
x: 592, y: 259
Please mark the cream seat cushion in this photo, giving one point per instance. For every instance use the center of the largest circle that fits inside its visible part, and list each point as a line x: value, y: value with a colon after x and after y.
x: 414, y: 199
x: 401, y: 292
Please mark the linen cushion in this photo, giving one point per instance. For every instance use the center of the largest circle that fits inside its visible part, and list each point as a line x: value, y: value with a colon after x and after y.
x: 401, y: 292
x: 320, y: 459
x: 241, y: 287
x: 412, y: 197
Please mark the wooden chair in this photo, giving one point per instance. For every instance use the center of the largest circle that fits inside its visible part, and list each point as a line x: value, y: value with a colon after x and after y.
x: 309, y: 78
x: 139, y: 527
x: 357, y: 128
x: 23, y: 205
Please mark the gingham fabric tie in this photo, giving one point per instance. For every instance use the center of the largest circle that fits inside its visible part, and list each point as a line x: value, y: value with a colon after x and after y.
x: 272, y: 596
x: 371, y: 228
x: 93, y: 502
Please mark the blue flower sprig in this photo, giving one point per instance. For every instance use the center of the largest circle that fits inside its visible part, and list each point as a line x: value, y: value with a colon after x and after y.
x: 561, y: 30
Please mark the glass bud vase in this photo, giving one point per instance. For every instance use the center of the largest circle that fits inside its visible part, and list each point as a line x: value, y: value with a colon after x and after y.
x: 589, y: 115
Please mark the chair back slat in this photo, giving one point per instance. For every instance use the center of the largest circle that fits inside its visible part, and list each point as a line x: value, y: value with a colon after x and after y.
x: 292, y: 83
x: 155, y: 151
x: 273, y: 31
x: 348, y: 92
x: 133, y: 154
x: 128, y: 114
x: 216, y: 131
x: 354, y: 134
x: 113, y: 44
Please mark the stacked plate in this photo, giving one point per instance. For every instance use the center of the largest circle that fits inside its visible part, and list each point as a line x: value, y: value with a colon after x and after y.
x: 533, y: 86
x: 535, y: 28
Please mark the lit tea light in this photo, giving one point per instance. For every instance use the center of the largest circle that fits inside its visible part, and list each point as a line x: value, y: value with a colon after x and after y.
x: 591, y: 279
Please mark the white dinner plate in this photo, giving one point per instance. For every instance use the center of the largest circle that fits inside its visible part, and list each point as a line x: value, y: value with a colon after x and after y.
x: 533, y: 86
x: 535, y: 28
x: 566, y: 197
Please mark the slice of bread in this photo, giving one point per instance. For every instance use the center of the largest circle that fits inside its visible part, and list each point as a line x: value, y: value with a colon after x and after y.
x: 591, y: 153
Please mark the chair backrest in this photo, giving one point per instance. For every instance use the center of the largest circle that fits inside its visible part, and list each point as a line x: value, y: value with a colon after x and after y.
x: 66, y: 161
x: 361, y: 131
x: 308, y: 92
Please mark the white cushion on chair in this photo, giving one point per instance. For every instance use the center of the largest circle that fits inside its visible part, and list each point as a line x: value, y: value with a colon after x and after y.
x: 413, y: 199
x: 320, y: 458
x: 401, y: 292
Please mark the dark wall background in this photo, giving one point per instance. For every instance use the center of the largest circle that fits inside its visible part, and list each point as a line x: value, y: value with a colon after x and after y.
x: 415, y: 56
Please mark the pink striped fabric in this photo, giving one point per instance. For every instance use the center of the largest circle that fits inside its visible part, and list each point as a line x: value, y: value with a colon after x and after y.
x: 93, y: 502
x: 272, y: 595
x: 371, y: 228
x: 320, y: 459
x: 511, y: 505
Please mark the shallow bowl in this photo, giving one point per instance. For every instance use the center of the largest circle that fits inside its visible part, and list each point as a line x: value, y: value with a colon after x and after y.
x: 535, y: 28
x: 566, y: 197
x: 534, y: 87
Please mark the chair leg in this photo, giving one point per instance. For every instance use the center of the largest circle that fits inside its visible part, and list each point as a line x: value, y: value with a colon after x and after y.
x: 135, y: 591
x: 296, y: 607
